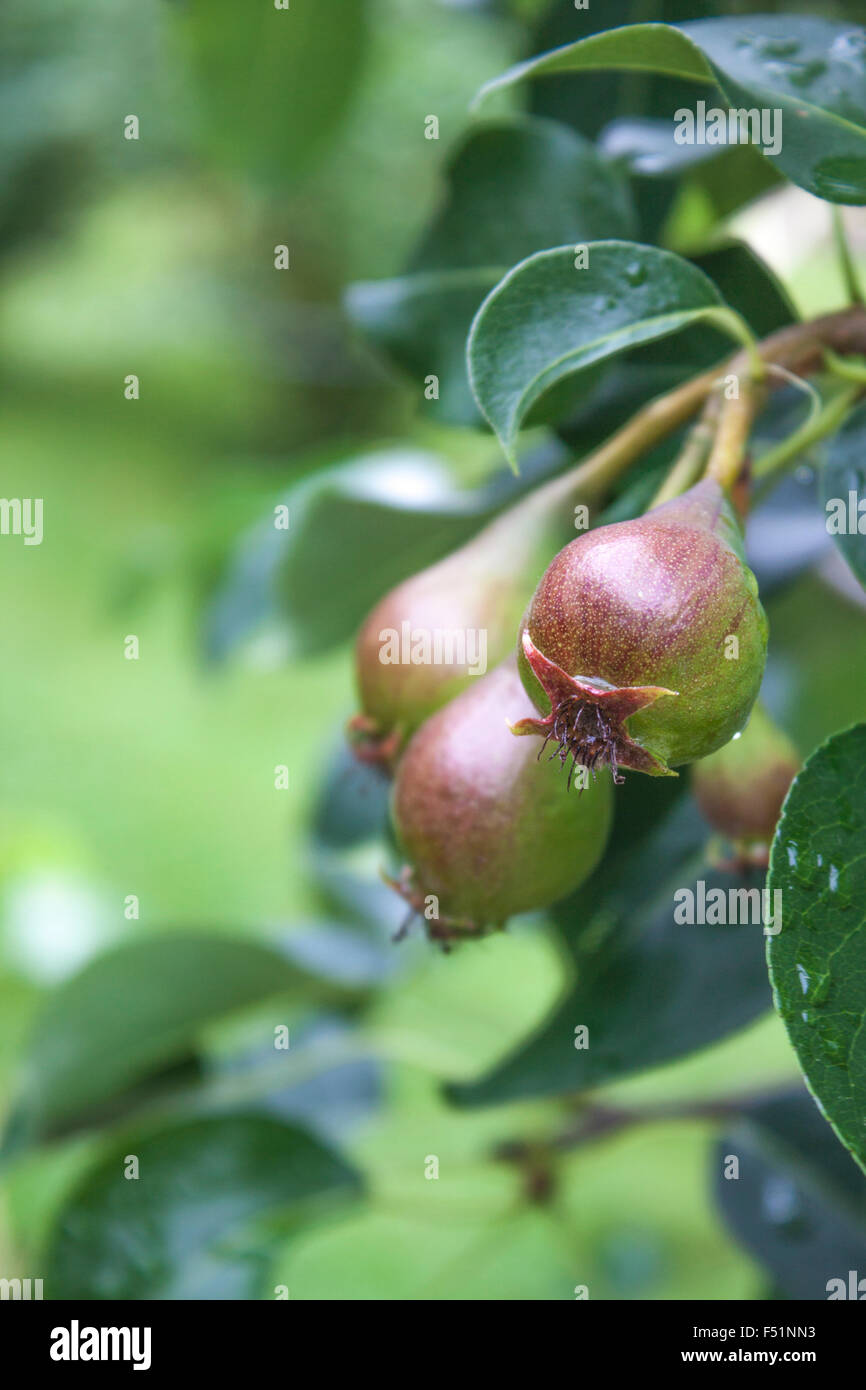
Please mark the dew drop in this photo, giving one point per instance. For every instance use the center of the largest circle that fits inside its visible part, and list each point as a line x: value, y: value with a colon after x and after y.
x: 791, y: 847
x: 834, y: 878
x: 804, y: 978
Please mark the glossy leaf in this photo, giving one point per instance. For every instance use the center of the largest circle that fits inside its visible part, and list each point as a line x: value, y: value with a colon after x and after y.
x: 812, y: 70
x: 513, y: 186
x: 796, y: 1203
x: 132, y: 1011
x: 844, y: 491
x: 553, y: 317
x: 189, y: 1226
x: 648, y: 989
x: 818, y: 960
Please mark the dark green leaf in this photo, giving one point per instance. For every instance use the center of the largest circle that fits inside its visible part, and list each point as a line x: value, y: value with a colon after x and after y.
x: 189, y: 1225
x: 818, y: 960
x: 648, y: 989
x: 812, y: 70
x: 513, y: 187
x: 748, y: 285
x: 518, y: 185
x: 130, y: 1012
x: 844, y: 491
x: 797, y: 1203
x: 421, y: 321
x: 551, y: 319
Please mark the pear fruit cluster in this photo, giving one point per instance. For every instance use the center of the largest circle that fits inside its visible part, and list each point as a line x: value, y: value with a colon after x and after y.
x: 641, y: 647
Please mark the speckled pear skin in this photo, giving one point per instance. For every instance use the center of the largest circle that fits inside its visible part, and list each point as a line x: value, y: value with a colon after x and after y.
x: 741, y: 787
x: 651, y: 602
x: 484, y: 585
x: 487, y: 827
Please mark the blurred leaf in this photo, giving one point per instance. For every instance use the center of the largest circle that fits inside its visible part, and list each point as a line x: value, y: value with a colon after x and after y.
x: 785, y: 533
x: 350, y: 829
x: 519, y: 185
x: 273, y: 84
x: 811, y: 69
x: 133, y: 1010
x: 330, y: 1097
x: 646, y: 146
x: 844, y: 474
x: 513, y: 187
x: 189, y: 1226
x: 421, y: 321
x: 648, y: 989
x: 549, y: 320
x: 727, y: 176
x: 818, y: 960
x: 797, y: 1204
x: 354, y: 531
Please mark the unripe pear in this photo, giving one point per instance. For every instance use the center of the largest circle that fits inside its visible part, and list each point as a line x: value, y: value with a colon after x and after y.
x: 741, y: 787
x: 470, y: 603
x: 644, y: 644
x: 489, y: 830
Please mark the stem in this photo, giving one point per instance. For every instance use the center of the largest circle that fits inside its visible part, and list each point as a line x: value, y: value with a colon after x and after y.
x: 599, y: 1121
x: 846, y: 260
x: 798, y: 349
x: 648, y: 427
x: 692, y: 460
x: 849, y: 370
x: 825, y: 422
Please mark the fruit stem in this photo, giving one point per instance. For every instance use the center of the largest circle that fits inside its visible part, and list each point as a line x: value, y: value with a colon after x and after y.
x: 692, y: 459
x: 799, y: 349
x: 651, y: 424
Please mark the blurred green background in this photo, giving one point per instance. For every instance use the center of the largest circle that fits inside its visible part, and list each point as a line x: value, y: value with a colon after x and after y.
x: 155, y: 777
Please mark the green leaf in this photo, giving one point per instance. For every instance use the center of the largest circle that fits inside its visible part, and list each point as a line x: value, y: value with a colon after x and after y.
x: 420, y: 322
x: 748, y: 285
x: 549, y: 320
x: 512, y: 187
x: 272, y: 84
x: 812, y: 70
x: 190, y: 1225
x: 844, y: 491
x: 517, y: 185
x: 797, y: 1204
x: 648, y: 989
x: 134, y: 1010
x: 818, y: 960
x: 354, y: 531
